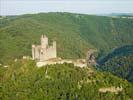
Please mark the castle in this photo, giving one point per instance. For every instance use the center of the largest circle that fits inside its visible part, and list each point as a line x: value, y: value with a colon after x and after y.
x: 47, y: 55
x: 44, y: 52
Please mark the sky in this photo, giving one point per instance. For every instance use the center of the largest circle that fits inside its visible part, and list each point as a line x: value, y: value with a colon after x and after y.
x: 18, y: 7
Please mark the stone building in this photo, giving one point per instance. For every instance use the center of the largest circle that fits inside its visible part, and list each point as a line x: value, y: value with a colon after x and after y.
x: 44, y: 52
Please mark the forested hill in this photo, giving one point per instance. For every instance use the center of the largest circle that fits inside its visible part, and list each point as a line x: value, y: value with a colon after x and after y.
x: 74, y: 33
x: 119, y: 62
x: 24, y: 81
x: 126, y: 50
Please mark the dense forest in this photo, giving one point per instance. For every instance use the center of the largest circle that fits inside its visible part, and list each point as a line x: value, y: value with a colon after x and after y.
x: 126, y: 50
x: 111, y: 37
x: 119, y: 62
x: 74, y: 33
x: 24, y: 81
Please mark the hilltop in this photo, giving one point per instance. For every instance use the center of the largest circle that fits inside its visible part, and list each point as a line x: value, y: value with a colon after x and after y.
x: 74, y: 33
x: 23, y: 80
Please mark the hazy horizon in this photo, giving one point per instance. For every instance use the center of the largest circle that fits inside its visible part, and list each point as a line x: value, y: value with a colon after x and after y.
x: 19, y: 7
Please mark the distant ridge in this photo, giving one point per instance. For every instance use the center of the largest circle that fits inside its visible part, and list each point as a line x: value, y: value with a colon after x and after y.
x: 116, y: 14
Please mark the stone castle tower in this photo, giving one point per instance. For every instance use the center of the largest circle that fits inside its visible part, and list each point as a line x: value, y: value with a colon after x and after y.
x: 44, y: 52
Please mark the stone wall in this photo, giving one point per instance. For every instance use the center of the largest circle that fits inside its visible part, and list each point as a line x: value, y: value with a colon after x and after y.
x: 48, y: 53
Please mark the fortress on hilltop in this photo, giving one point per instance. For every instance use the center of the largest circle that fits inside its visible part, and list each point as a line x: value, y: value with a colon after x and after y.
x: 44, y: 52
x: 47, y: 55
